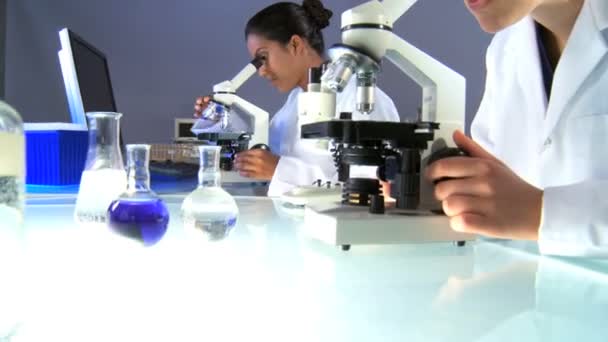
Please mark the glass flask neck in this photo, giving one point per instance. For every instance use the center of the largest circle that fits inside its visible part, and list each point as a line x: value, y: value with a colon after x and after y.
x: 138, y: 174
x: 209, y: 172
x: 104, y: 148
x: 10, y: 121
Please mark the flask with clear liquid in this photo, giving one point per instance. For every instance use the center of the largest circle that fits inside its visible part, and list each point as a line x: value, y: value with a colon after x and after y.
x: 139, y: 213
x: 209, y: 209
x: 12, y: 177
x: 104, y: 177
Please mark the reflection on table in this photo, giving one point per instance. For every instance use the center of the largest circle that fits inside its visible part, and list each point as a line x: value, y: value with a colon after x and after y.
x: 268, y: 281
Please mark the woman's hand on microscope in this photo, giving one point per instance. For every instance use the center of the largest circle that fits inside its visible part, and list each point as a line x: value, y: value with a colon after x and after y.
x: 256, y: 163
x: 483, y: 196
x: 200, y: 104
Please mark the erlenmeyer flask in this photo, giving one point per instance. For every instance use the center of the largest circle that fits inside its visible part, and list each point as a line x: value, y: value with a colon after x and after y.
x: 104, y: 177
x: 210, y: 209
x: 12, y: 178
x: 139, y: 213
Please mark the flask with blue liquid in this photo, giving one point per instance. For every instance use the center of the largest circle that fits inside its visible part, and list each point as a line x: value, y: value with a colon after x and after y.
x: 139, y: 213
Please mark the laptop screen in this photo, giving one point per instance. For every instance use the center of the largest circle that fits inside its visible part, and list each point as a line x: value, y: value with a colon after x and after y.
x: 86, y: 76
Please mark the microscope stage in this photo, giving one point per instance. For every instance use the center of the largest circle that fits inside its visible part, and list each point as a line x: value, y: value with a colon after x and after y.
x: 235, y: 177
x: 343, y: 225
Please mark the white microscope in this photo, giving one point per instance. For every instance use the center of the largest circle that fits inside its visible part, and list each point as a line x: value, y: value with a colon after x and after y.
x: 219, y: 112
x: 399, y: 150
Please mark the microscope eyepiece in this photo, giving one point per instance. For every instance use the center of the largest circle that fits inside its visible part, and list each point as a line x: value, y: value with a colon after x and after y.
x: 258, y: 61
x: 314, y: 75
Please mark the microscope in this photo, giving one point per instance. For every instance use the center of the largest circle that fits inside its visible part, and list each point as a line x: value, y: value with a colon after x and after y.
x: 318, y: 102
x: 399, y: 150
x: 219, y: 112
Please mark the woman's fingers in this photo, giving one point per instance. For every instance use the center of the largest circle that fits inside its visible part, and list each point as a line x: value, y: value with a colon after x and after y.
x: 462, y: 204
x: 200, y: 104
x: 458, y: 167
x: 477, y: 186
x: 471, y: 223
x: 471, y: 147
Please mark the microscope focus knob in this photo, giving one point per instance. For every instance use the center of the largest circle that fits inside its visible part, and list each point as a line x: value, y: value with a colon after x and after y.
x: 447, y: 152
x: 261, y: 147
x: 346, y: 116
x: 376, y: 205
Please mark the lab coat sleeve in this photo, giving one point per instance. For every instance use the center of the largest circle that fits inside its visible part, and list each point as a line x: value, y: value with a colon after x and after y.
x: 575, y: 220
x: 291, y: 172
x: 385, y: 108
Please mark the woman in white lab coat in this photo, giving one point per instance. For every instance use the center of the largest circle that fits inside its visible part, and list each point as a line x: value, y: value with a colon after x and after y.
x: 288, y: 37
x: 539, y: 166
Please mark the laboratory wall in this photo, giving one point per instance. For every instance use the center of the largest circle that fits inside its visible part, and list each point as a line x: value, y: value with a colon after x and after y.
x: 162, y: 54
x: 2, y: 45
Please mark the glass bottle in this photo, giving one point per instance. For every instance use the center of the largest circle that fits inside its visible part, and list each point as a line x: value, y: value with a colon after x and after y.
x: 12, y: 177
x: 139, y: 213
x: 209, y: 209
x: 104, y: 177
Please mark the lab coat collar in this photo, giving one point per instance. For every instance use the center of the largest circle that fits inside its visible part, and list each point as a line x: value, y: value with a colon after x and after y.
x: 586, y: 47
x: 600, y: 15
x: 523, y: 44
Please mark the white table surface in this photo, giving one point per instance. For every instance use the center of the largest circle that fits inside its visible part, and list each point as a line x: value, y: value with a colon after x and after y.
x: 269, y: 282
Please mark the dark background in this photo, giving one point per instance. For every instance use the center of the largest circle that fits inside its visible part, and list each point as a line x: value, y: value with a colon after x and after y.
x: 2, y: 45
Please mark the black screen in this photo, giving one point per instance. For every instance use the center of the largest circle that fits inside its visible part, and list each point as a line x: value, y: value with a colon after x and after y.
x: 93, y: 77
x: 184, y: 130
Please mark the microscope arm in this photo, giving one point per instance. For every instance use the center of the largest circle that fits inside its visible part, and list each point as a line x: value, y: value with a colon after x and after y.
x: 443, y: 90
x: 224, y: 94
x: 260, y: 116
x: 396, y: 8
x: 428, y: 112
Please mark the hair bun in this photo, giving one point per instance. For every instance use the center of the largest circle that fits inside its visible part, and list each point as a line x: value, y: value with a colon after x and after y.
x: 317, y: 12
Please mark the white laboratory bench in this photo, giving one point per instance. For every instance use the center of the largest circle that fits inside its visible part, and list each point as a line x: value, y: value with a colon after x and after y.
x: 269, y: 282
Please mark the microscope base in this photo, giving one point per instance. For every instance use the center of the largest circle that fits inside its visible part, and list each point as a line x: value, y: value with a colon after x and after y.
x: 342, y: 225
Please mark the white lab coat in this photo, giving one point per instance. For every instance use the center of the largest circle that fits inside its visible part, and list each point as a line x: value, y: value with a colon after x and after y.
x: 302, y: 164
x: 561, y: 145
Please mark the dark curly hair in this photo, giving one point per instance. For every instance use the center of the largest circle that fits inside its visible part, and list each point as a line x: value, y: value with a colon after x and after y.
x: 280, y: 21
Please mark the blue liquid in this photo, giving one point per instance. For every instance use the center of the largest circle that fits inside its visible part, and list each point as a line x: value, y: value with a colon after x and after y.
x: 144, y: 221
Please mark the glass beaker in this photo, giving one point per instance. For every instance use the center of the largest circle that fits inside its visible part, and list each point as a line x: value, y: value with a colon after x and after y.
x: 209, y: 209
x: 139, y: 213
x: 104, y: 177
x: 12, y: 177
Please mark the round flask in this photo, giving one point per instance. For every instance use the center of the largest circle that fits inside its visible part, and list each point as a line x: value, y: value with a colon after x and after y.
x: 139, y: 213
x: 209, y: 209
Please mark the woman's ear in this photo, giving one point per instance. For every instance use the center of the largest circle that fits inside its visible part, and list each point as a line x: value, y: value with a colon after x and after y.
x: 296, y: 44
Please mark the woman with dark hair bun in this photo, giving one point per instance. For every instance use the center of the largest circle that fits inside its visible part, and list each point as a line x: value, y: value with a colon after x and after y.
x: 288, y: 38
